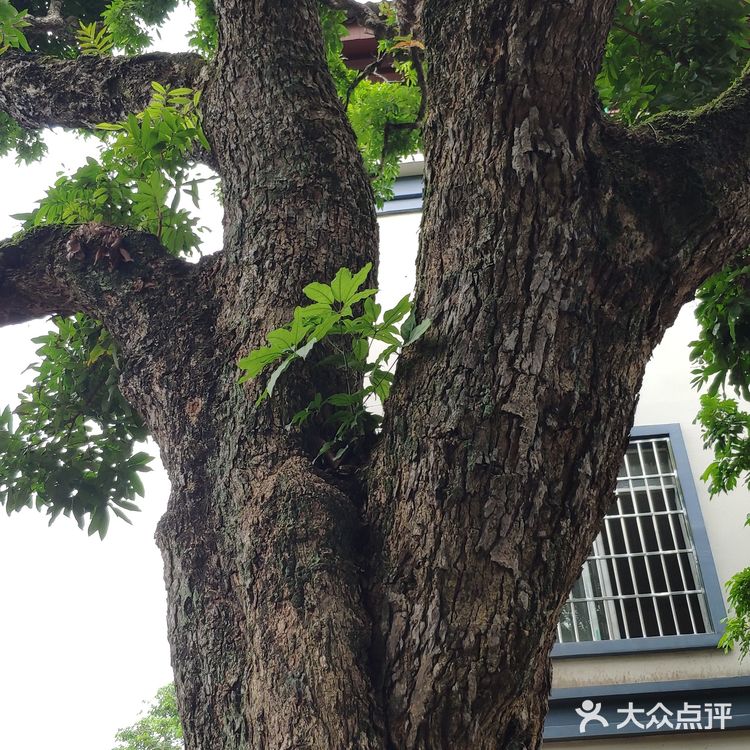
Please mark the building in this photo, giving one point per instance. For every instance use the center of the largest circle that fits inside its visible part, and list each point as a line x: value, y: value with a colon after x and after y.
x: 637, y: 644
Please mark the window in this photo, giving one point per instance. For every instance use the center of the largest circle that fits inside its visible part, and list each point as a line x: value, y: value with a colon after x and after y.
x: 645, y: 580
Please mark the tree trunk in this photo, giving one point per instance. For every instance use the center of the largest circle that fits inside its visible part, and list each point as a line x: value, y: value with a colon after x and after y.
x: 502, y: 438
x: 414, y: 605
x: 269, y: 635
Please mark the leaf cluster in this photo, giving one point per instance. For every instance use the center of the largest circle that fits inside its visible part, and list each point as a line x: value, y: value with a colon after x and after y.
x: 373, y: 105
x: 27, y: 144
x: 69, y: 446
x: 204, y: 37
x: 158, y: 729
x: 671, y: 54
x: 129, y: 22
x: 721, y: 356
x: 93, y: 40
x: 737, y: 633
x: 726, y: 432
x: 12, y: 23
x: 140, y: 178
x: 345, y: 323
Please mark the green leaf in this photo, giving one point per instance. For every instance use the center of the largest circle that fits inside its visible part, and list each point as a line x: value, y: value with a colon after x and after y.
x: 395, y: 314
x: 342, y: 285
x: 276, y: 374
x: 360, y: 348
x: 281, y: 339
x: 319, y: 293
x: 303, y: 351
x: 256, y: 360
x: 330, y: 319
x: 418, y: 331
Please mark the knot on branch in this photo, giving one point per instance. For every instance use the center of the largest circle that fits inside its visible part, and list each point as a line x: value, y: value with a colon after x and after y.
x: 99, y: 240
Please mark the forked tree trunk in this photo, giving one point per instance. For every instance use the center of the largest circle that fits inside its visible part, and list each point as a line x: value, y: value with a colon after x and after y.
x: 502, y: 438
x: 412, y: 607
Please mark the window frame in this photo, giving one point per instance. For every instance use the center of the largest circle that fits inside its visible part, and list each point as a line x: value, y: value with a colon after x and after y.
x: 705, y: 560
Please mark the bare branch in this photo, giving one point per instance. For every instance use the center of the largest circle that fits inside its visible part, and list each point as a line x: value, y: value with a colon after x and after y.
x: 42, y: 92
x: 48, y: 272
x: 54, y: 22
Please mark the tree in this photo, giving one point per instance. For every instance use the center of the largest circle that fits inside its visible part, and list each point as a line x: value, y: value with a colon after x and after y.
x: 158, y: 729
x: 407, y: 598
x: 722, y: 364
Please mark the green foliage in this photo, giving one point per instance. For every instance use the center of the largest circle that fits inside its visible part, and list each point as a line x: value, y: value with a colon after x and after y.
x: 722, y: 358
x: 726, y: 432
x: 158, y: 729
x: 204, y: 35
x: 27, y: 144
x: 140, y: 178
x: 722, y: 352
x: 12, y: 23
x: 737, y: 633
x: 128, y: 21
x: 93, y: 40
x: 346, y: 340
x: 373, y: 105
x: 123, y: 24
x: 672, y: 54
x: 69, y: 446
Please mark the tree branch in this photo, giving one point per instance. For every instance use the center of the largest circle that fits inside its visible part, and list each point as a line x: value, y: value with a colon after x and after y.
x: 47, y: 272
x: 44, y: 92
x: 53, y: 22
x: 684, y: 181
x: 365, y: 14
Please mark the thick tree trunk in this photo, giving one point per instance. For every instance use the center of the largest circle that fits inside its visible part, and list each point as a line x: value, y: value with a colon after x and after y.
x: 501, y: 442
x: 414, y: 606
x: 503, y: 435
x: 268, y: 630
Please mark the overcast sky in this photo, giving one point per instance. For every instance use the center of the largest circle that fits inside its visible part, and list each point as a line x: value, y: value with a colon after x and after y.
x: 82, y: 622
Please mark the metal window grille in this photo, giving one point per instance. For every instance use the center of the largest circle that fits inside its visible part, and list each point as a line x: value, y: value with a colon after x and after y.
x: 642, y: 578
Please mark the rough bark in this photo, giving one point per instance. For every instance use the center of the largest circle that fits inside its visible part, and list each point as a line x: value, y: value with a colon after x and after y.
x: 268, y: 631
x: 415, y: 609
x: 37, y: 278
x: 44, y: 92
x: 505, y: 429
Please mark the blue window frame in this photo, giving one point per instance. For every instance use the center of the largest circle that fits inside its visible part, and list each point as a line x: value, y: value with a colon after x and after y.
x: 407, y: 197
x: 650, y: 583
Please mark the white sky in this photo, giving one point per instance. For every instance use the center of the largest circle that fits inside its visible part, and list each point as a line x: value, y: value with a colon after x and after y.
x: 82, y: 622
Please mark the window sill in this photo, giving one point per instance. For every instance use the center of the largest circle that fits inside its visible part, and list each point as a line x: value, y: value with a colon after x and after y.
x: 636, y: 645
